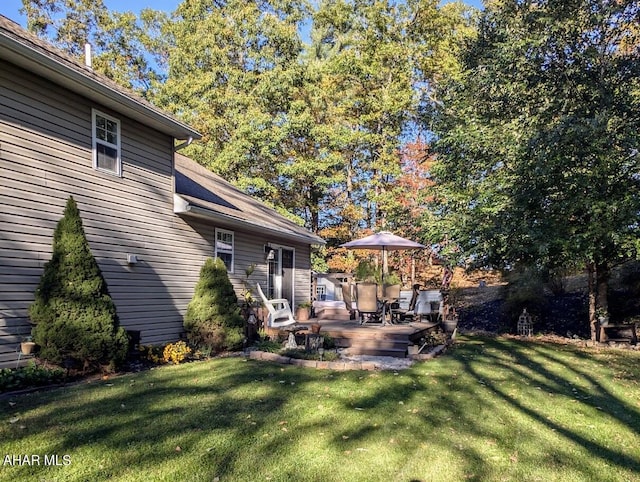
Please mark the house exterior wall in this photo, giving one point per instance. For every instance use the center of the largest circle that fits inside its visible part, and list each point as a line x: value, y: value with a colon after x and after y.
x: 45, y: 156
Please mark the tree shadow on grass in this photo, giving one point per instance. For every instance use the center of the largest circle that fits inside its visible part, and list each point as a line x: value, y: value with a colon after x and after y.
x: 471, y: 405
x: 515, y: 361
x: 154, y: 413
x: 481, y: 412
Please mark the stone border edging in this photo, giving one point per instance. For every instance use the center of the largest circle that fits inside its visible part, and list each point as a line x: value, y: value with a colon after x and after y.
x: 337, y: 365
x: 326, y: 365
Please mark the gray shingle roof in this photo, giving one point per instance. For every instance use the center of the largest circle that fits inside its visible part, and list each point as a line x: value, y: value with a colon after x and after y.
x: 212, y: 194
x: 26, y: 50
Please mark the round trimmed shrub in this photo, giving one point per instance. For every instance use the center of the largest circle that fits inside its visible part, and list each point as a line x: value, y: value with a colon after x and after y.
x: 213, y: 317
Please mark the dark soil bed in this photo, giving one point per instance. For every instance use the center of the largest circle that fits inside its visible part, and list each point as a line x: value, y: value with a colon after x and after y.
x: 564, y: 315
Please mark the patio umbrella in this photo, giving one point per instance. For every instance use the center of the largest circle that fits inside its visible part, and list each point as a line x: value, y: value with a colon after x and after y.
x: 383, y: 241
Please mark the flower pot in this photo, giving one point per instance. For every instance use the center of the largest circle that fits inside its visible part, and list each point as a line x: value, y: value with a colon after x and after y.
x: 315, y: 328
x: 449, y: 325
x: 302, y: 314
x: 27, y: 347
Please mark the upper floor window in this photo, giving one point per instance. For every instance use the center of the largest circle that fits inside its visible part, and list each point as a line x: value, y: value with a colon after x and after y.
x: 106, y: 143
x: 224, y: 248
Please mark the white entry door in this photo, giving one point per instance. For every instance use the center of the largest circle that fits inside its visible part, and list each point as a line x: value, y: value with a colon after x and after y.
x: 281, y: 274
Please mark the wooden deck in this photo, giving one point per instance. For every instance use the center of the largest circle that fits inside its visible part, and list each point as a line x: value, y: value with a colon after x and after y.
x: 373, y: 339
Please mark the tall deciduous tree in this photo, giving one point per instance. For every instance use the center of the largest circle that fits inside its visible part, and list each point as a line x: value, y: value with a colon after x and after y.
x: 380, y: 63
x: 122, y: 44
x: 316, y: 129
x: 539, y: 139
x: 232, y: 67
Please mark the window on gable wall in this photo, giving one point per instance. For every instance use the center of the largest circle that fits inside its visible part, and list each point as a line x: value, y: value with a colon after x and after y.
x: 224, y: 248
x: 106, y: 143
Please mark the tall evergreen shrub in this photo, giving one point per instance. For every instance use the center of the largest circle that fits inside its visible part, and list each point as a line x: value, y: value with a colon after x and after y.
x: 74, y: 315
x: 213, y: 316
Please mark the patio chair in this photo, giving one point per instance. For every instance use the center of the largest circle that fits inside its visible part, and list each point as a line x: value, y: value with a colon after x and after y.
x: 391, y: 300
x: 367, y: 302
x: 429, y: 305
x: 348, y: 300
x: 279, y: 311
x: 402, y: 311
x: 391, y: 292
x: 407, y: 315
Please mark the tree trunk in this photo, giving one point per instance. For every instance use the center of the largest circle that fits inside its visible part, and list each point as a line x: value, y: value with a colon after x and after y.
x: 349, y: 179
x: 602, y: 301
x: 593, y: 319
x: 598, y: 296
x: 602, y: 287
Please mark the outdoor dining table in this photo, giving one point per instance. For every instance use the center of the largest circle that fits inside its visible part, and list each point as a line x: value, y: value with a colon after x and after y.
x: 376, y: 300
x: 386, y: 309
x: 385, y: 303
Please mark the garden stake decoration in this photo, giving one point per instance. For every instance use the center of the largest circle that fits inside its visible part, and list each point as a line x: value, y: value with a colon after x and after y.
x: 525, y: 324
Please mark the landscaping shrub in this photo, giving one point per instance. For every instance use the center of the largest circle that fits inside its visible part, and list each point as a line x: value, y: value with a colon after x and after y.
x: 152, y: 353
x: 74, y: 315
x: 328, y: 342
x: 29, y: 376
x: 313, y: 355
x: 176, y: 352
x: 213, y: 315
x: 268, y: 345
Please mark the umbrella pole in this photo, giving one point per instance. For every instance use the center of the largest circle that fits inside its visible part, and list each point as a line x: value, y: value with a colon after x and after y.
x: 385, y: 266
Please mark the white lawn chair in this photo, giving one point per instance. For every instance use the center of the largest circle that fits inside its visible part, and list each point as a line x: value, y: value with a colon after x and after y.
x: 279, y: 311
x: 429, y: 305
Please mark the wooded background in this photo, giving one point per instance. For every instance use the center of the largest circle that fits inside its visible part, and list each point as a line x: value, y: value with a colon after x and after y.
x: 504, y: 138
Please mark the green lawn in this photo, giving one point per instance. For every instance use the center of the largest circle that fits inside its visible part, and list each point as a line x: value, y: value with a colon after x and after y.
x: 489, y: 409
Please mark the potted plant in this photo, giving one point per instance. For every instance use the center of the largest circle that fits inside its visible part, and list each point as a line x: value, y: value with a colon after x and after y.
x: 366, y: 272
x: 27, y: 346
x: 303, y: 311
x: 450, y: 321
x: 392, y: 278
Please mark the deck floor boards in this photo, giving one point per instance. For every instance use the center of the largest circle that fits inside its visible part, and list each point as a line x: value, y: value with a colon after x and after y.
x: 374, y: 339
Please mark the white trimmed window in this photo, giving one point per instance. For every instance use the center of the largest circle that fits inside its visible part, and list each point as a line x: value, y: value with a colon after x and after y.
x: 106, y: 143
x: 224, y: 248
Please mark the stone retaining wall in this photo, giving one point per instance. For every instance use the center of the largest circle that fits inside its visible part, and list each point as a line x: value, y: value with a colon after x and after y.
x: 339, y: 365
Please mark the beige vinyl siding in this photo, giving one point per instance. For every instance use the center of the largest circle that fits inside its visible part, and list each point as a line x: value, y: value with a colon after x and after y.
x: 249, y: 249
x: 303, y: 274
x: 45, y: 156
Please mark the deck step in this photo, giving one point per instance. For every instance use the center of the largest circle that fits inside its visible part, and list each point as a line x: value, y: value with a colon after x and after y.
x: 373, y: 340
x: 397, y: 353
x: 375, y: 346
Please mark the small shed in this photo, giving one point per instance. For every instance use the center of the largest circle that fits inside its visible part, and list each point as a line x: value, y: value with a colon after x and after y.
x: 328, y: 286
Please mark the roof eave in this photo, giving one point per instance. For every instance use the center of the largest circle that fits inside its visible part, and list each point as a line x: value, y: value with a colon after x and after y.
x: 35, y: 61
x: 184, y: 207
